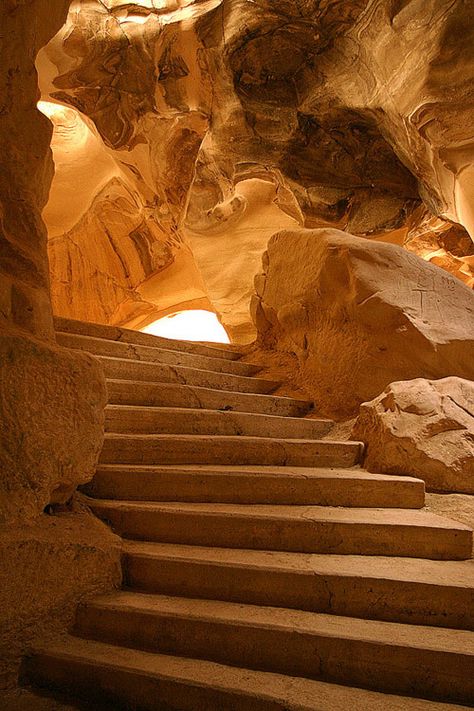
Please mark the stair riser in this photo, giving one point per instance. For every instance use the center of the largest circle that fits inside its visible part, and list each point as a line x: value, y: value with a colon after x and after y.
x: 154, y: 372
x: 254, y: 489
x: 117, y: 349
x: 202, y: 450
x: 114, y: 333
x: 122, y: 392
x: 144, y: 421
x: 369, y: 598
x: 304, y: 536
x: 311, y: 655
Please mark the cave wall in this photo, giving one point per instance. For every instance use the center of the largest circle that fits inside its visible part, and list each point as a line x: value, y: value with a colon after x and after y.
x: 356, y: 114
x: 146, y: 114
x: 51, y: 399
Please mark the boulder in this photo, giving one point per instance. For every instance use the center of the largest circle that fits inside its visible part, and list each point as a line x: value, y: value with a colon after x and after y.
x: 423, y: 428
x: 360, y: 314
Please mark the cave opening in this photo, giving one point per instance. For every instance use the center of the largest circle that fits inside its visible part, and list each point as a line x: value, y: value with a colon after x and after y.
x: 192, y: 325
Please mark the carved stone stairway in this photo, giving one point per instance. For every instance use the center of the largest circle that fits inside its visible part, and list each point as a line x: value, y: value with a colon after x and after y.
x: 263, y: 568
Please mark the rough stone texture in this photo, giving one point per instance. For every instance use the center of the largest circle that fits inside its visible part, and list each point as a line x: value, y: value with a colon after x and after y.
x: 459, y: 507
x: 52, y: 412
x: 46, y: 568
x: 51, y: 399
x: 423, y: 428
x: 359, y: 315
x: 145, y: 108
x: 27, y: 167
x: 216, y: 122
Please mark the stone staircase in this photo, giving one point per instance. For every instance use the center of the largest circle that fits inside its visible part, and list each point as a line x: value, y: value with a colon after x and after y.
x: 263, y: 568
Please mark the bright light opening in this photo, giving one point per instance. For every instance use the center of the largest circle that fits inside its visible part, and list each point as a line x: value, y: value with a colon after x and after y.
x: 190, y: 326
x: 59, y: 111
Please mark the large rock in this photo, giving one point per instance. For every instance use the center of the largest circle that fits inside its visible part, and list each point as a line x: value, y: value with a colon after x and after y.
x: 52, y: 413
x: 423, y: 428
x: 361, y: 314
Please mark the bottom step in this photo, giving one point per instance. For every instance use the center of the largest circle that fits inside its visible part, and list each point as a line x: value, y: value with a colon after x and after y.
x: 150, y: 682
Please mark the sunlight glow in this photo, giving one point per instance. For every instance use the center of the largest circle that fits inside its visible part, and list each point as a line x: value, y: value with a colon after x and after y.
x: 51, y: 110
x: 195, y: 325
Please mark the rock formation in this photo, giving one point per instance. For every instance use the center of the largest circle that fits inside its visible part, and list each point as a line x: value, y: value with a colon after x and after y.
x: 51, y: 400
x: 43, y: 386
x: 194, y: 106
x: 187, y: 132
x: 360, y: 314
x: 52, y: 414
x: 424, y: 428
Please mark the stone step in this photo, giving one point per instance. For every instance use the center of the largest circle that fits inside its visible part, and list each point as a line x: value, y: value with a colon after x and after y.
x: 129, y: 678
x: 384, y: 656
x: 177, y: 420
x: 211, y: 449
x: 141, y: 393
x: 126, y: 335
x: 127, y: 369
x: 304, y: 529
x: 408, y: 590
x: 133, y: 351
x: 257, y: 485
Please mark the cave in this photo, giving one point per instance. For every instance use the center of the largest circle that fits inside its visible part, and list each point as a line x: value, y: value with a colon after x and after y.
x: 237, y: 355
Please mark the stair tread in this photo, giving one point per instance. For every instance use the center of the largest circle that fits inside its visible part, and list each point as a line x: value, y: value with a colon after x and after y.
x: 349, y: 444
x: 354, y: 516
x: 175, y: 420
x: 200, y: 389
x: 143, y: 393
x: 290, y: 693
x: 160, y: 346
x: 186, y: 368
x: 273, y: 471
x: 300, y: 621
x: 152, y: 354
x: 418, y: 570
x: 127, y: 335
x: 203, y: 412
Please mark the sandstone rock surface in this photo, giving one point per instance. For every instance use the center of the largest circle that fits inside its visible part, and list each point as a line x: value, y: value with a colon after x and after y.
x: 359, y: 315
x: 190, y: 108
x: 51, y: 400
x: 423, y: 428
x: 52, y: 412
x: 47, y: 567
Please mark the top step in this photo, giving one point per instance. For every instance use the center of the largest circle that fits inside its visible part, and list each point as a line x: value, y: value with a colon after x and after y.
x: 117, y: 333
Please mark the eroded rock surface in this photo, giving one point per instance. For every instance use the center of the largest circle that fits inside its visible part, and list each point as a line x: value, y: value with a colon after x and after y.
x: 51, y: 399
x: 47, y: 567
x: 423, y: 428
x: 352, y: 112
x: 359, y: 315
x: 52, y: 412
